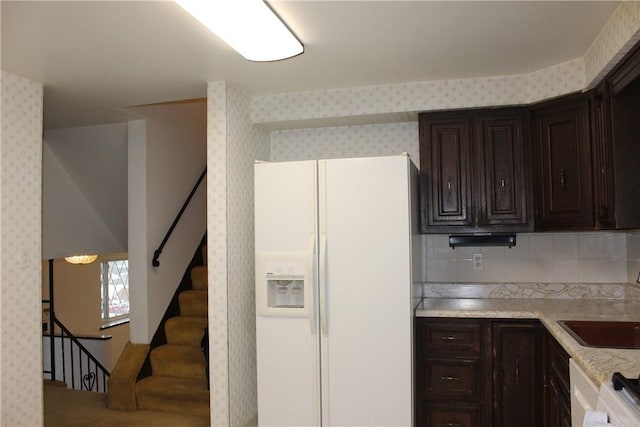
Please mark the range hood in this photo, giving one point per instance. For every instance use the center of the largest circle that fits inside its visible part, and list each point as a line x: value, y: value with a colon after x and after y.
x: 456, y: 240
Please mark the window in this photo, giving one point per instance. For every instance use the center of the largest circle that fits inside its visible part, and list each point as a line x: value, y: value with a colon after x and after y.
x: 114, y: 277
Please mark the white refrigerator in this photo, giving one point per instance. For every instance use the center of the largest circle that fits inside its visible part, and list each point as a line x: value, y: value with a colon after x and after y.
x: 334, y: 321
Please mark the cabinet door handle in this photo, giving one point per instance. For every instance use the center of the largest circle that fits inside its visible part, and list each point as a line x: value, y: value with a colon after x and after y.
x: 502, y: 183
x: 562, y: 183
x: 449, y: 184
x: 517, y: 372
x: 451, y: 338
x: 449, y: 378
x: 451, y: 424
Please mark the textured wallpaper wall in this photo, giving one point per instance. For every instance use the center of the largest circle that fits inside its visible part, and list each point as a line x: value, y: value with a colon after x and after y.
x: 615, y: 39
x: 245, y: 143
x: 346, y: 141
x: 20, y: 264
x: 420, y: 96
x: 217, y: 250
x: 234, y: 144
x: 619, y: 34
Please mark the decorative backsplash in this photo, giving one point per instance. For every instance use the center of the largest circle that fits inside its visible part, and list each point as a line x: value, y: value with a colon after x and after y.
x: 587, y: 257
x: 525, y: 290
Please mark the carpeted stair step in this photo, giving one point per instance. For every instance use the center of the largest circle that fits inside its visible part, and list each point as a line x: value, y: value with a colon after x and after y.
x: 200, y: 278
x: 173, y: 360
x: 185, y: 330
x: 193, y: 303
x: 171, y: 394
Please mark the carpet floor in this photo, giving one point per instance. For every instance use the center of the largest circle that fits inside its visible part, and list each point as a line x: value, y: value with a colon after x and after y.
x: 71, y: 408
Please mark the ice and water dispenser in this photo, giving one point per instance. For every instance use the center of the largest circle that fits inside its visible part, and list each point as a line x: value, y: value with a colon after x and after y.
x: 280, y: 285
x: 285, y: 291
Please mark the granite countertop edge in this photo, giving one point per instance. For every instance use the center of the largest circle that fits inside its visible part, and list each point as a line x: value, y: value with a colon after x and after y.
x: 598, y: 363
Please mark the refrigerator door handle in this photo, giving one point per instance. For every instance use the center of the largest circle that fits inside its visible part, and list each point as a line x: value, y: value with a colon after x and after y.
x: 313, y: 281
x: 323, y: 284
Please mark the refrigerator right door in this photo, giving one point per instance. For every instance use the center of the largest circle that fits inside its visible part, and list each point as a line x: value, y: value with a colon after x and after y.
x: 365, y: 291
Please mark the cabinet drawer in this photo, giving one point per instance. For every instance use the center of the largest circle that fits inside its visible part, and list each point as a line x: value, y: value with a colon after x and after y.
x: 451, y: 416
x: 451, y: 378
x: 451, y: 336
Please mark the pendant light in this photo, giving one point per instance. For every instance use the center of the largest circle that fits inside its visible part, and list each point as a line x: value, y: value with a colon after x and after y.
x: 81, y: 259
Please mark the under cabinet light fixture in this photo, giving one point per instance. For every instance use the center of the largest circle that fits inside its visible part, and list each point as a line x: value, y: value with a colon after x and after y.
x: 248, y: 26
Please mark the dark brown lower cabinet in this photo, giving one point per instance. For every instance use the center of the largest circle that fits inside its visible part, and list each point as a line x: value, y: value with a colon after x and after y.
x: 450, y: 383
x: 557, y: 389
x: 517, y: 373
x: 452, y: 415
x: 489, y: 372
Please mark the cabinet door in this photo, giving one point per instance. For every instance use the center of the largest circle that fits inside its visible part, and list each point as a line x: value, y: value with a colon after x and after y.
x: 517, y: 374
x: 562, y: 161
x: 502, y: 169
x: 603, y: 180
x: 445, y: 148
x: 557, y: 386
x: 558, y: 412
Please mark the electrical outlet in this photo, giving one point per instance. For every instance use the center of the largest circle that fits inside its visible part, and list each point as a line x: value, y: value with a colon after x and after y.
x: 477, y: 262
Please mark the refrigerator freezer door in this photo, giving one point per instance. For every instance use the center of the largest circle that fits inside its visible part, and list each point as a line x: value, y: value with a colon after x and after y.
x: 287, y: 347
x: 366, y: 347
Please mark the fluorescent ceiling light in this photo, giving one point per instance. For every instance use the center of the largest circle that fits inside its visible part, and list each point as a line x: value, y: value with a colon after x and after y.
x: 248, y: 26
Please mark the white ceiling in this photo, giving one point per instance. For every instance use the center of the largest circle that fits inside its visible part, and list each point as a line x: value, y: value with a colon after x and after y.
x: 96, y: 56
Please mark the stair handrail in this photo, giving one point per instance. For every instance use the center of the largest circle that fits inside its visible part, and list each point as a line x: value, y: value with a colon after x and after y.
x: 156, y: 254
x: 85, y: 380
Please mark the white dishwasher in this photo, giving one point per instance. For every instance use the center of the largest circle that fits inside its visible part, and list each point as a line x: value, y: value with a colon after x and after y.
x: 584, y: 394
x: 620, y: 403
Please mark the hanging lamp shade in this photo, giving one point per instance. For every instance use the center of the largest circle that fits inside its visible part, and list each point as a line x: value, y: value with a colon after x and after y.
x: 81, y: 259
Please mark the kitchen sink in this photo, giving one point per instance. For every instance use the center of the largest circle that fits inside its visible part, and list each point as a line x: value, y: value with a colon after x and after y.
x: 599, y: 333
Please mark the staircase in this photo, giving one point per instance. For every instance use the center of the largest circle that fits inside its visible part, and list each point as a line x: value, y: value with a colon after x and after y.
x: 179, y: 380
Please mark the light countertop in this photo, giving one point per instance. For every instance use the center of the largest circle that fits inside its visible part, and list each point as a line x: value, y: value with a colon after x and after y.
x: 598, y: 363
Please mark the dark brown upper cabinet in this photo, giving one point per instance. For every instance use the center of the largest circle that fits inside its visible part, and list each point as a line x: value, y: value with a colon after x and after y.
x: 562, y: 164
x: 618, y: 136
x: 474, y: 171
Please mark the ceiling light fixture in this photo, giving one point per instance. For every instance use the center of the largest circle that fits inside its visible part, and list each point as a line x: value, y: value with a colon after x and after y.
x: 248, y: 26
x: 81, y: 259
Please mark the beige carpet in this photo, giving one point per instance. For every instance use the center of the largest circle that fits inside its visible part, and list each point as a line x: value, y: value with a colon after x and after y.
x: 72, y: 408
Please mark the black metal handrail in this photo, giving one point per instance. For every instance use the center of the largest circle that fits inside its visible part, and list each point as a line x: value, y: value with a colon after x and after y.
x: 92, y: 375
x: 156, y: 254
